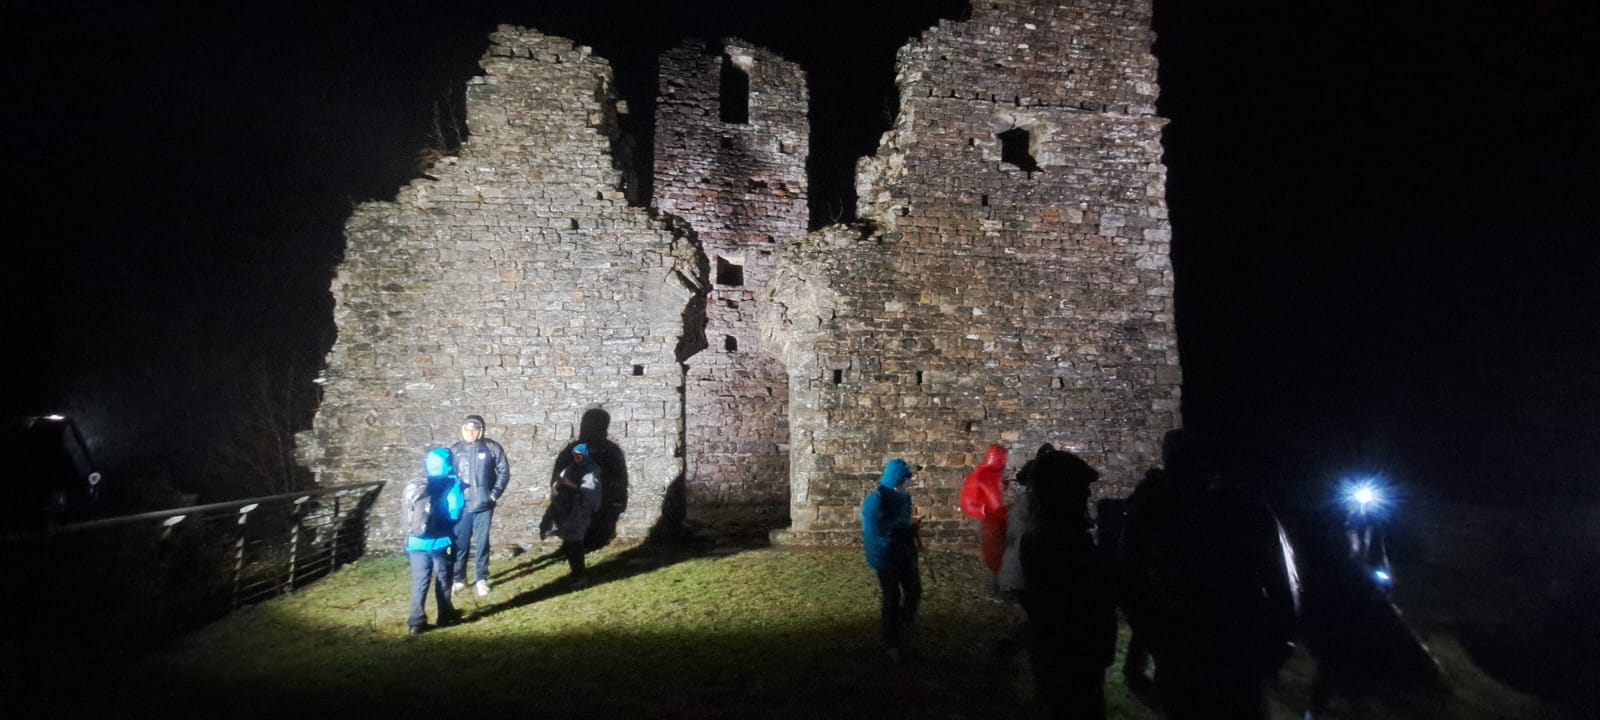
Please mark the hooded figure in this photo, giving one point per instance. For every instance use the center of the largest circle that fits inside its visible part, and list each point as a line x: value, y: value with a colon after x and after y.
x: 983, y: 498
x: 573, y: 500
x: 1071, y: 608
x: 889, y: 532
x: 430, y: 507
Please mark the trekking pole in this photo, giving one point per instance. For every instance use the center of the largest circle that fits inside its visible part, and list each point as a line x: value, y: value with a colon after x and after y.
x: 926, y: 559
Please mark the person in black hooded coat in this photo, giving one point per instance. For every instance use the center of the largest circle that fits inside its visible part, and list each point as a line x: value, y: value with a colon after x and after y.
x: 1069, y: 597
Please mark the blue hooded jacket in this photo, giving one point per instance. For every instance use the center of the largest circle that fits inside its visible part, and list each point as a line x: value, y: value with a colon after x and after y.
x: 444, y: 490
x: 886, y: 518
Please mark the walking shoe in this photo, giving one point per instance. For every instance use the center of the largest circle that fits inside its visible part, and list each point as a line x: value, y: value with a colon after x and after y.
x: 457, y: 586
x: 482, y: 588
x: 415, y: 630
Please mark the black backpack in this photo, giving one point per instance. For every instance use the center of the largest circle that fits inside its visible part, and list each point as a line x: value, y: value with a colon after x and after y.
x: 416, y: 507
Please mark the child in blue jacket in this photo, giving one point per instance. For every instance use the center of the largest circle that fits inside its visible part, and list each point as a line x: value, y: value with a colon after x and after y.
x: 430, y: 507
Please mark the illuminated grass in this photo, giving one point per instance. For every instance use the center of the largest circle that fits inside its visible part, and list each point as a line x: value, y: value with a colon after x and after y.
x: 768, y: 633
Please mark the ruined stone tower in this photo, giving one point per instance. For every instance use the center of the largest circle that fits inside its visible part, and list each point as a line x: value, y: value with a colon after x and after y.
x: 730, y: 158
x: 1010, y: 282
x: 518, y: 285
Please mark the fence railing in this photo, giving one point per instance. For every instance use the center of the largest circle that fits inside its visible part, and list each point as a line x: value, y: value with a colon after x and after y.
x: 106, y: 585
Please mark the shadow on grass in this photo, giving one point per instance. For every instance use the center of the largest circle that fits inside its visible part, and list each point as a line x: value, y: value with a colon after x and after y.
x: 768, y: 635
x: 638, y: 560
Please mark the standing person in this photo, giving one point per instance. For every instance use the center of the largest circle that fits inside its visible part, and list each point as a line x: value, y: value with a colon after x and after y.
x: 889, y: 532
x: 983, y: 498
x: 429, y: 508
x: 1010, y: 577
x: 481, y: 465
x: 1136, y: 663
x: 1214, y: 589
x: 1072, y: 621
x: 574, y: 498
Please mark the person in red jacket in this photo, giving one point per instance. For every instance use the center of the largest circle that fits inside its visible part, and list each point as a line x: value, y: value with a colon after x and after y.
x: 983, y: 497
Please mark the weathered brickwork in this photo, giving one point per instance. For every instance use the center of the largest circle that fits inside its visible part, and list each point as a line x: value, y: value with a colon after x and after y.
x: 730, y: 158
x: 1011, y: 282
x: 519, y: 285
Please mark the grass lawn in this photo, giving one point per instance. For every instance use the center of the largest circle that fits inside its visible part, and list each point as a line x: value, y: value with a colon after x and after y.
x: 713, y: 632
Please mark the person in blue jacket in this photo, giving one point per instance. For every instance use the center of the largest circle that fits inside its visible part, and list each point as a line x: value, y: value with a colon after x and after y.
x: 889, y: 532
x: 430, y: 507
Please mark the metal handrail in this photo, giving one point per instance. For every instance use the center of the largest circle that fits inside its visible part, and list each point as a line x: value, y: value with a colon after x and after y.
x: 123, y: 583
x: 182, y: 512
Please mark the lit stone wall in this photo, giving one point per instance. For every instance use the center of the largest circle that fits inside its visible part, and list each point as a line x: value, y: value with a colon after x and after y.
x: 730, y: 158
x: 1010, y: 282
x: 519, y: 285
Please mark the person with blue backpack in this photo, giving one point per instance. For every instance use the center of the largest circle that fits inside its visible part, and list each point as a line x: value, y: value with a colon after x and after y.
x: 889, y: 532
x: 429, y: 509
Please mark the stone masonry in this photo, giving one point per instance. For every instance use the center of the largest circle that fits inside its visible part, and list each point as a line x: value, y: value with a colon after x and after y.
x: 516, y: 284
x: 730, y: 158
x: 1010, y: 282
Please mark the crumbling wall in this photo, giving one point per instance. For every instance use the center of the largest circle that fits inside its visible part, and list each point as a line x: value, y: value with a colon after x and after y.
x: 1011, y: 281
x: 730, y: 158
x: 516, y: 284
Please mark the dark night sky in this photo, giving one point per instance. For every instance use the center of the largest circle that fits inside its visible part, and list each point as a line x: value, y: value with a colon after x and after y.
x: 1384, y: 217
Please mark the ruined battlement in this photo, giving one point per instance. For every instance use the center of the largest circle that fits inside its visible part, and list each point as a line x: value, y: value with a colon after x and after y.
x: 1008, y: 280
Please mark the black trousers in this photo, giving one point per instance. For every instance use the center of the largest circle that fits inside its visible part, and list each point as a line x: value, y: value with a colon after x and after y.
x: 902, y: 594
x: 572, y: 550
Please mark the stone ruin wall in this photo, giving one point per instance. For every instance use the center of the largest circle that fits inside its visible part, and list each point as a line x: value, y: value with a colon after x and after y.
x: 737, y: 175
x: 519, y: 285
x: 998, y: 289
x: 982, y: 301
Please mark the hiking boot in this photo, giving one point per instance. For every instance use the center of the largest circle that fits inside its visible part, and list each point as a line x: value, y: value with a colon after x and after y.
x: 482, y: 588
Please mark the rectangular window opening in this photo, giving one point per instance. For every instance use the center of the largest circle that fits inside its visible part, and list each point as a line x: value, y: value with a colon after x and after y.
x: 735, y: 100
x: 730, y: 271
x: 1016, y: 148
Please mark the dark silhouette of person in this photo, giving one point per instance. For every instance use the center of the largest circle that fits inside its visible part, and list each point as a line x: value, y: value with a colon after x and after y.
x: 593, y: 429
x: 1026, y: 472
x: 1213, y: 588
x: 1136, y: 662
x: 1072, y: 622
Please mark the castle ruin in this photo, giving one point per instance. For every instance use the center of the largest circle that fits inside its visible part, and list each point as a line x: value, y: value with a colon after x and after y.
x: 1008, y: 280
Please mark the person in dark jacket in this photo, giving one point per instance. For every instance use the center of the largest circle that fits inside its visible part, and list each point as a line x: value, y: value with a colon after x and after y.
x: 430, y: 506
x: 1136, y: 662
x: 481, y: 464
x: 574, y: 498
x: 1068, y: 593
x: 1214, y: 589
x: 889, y: 532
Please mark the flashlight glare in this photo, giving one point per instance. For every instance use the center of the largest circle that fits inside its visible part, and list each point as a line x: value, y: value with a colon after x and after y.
x: 1364, y: 496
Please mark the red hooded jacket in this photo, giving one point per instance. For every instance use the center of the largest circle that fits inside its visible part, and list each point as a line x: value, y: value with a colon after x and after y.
x: 983, y: 497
